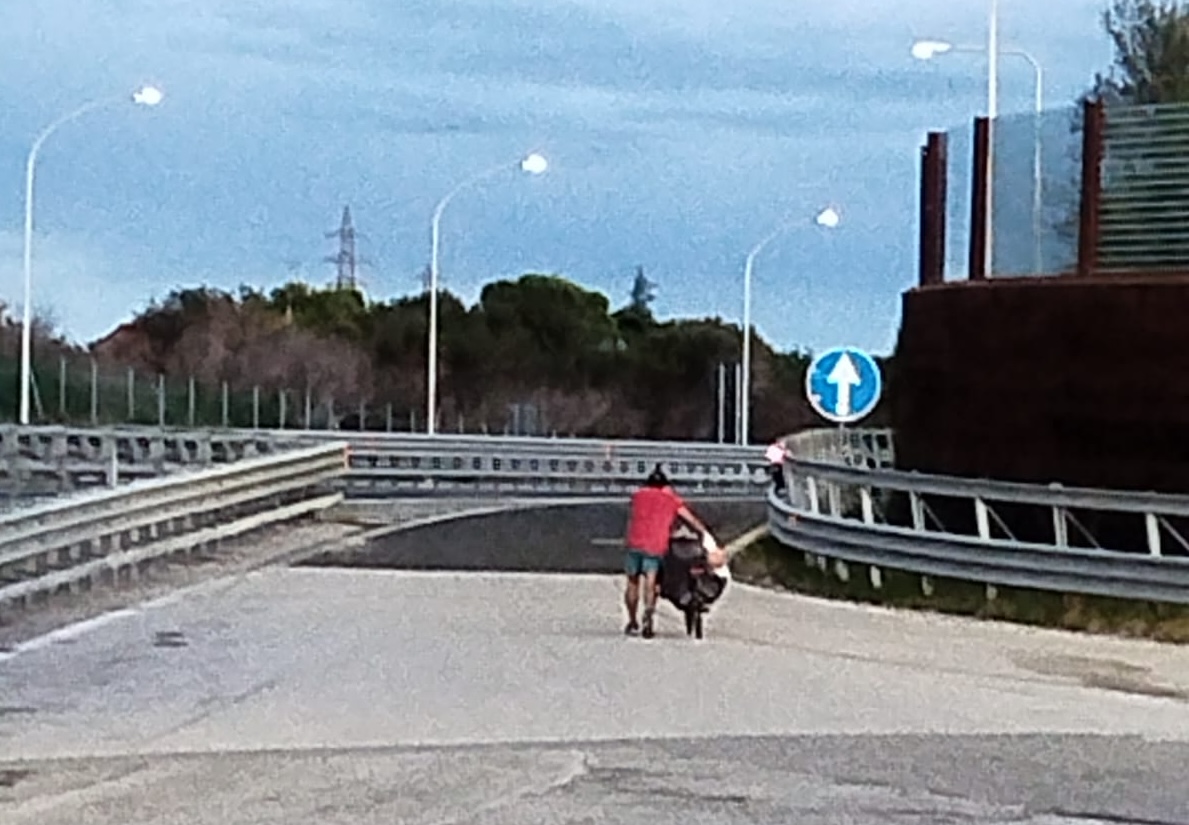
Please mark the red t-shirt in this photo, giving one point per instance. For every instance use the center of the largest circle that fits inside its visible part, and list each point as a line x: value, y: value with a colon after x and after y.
x: 651, y: 520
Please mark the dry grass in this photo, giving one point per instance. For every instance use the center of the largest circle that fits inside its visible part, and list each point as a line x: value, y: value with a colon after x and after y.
x: 767, y: 563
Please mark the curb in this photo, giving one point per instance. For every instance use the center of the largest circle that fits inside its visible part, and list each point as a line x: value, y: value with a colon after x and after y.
x: 741, y: 543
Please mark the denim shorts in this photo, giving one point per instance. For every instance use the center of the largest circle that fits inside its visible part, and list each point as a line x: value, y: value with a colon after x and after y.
x: 637, y: 562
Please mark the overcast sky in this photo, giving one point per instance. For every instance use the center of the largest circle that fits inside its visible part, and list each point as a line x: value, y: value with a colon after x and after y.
x: 679, y: 132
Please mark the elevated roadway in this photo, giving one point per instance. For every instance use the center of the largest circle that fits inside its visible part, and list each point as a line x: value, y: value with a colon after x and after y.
x: 357, y: 695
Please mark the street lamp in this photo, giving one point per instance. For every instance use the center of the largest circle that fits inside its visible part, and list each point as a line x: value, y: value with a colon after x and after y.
x: 534, y: 164
x: 928, y: 49
x: 992, y: 113
x: 827, y: 218
x: 144, y: 96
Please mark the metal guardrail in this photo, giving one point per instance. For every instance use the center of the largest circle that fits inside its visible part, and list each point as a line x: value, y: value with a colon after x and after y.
x: 76, y: 539
x: 839, y: 445
x: 54, y: 459
x: 385, y: 465
x: 380, y: 463
x: 1094, y: 542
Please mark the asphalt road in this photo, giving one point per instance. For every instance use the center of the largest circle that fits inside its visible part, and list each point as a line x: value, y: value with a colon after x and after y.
x: 390, y: 696
x: 562, y: 538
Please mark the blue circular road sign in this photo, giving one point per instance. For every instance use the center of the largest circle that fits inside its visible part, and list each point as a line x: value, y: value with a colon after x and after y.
x: 843, y: 384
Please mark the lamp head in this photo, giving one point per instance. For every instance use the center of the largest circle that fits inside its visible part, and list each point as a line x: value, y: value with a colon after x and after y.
x: 928, y: 49
x: 148, y: 96
x: 534, y: 164
x: 829, y: 218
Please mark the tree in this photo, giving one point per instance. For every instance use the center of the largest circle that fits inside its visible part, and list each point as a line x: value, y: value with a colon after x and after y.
x: 538, y: 339
x: 1143, y: 155
x: 336, y: 311
x: 1151, y: 60
x: 1150, y: 65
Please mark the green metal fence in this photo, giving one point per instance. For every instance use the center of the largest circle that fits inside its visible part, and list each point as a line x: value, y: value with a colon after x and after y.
x: 81, y: 391
x: 1143, y: 217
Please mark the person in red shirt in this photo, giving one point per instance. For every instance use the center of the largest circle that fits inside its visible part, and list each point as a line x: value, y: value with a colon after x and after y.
x: 655, y: 507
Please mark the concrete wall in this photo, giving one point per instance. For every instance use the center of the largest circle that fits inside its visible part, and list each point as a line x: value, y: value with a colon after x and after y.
x: 1083, y: 381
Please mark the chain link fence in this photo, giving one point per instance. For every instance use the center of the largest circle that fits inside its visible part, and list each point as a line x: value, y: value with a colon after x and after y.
x: 81, y: 391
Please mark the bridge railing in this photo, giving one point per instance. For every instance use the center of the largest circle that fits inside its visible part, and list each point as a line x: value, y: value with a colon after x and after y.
x: 1095, y: 542
x: 391, y: 464
x: 856, y: 448
x: 55, y: 459
x: 380, y: 463
x: 76, y: 539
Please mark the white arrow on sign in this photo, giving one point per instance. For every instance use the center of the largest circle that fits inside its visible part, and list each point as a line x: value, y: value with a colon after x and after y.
x: 845, y: 378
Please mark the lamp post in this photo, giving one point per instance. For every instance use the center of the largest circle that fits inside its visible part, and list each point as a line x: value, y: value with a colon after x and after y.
x: 145, y: 96
x: 534, y: 164
x: 992, y: 115
x: 828, y: 218
x: 928, y: 49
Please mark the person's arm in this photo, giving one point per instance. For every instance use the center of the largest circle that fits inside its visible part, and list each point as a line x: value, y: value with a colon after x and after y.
x: 685, y: 513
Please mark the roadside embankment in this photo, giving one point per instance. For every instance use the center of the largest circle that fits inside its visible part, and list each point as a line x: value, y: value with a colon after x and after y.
x: 765, y: 562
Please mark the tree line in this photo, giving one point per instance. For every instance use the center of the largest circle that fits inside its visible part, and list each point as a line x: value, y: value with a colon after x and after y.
x: 541, y: 342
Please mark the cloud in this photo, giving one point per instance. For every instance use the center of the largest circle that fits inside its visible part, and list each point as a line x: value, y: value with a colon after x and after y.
x: 678, y: 131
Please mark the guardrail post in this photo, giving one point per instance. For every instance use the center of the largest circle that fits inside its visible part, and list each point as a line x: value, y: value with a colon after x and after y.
x: 1060, y: 526
x: 282, y: 412
x: 161, y: 399
x: 868, y: 505
x: 917, y: 504
x: 226, y: 406
x: 191, y: 401
x: 1152, y: 522
x: 256, y: 407
x: 113, y: 467
x: 982, y: 519
x: 131, y: 394
x: 815, y: 505
x: 835, y: 498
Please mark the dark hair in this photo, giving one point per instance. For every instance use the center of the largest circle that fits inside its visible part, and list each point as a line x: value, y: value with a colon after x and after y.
x: 657, y: 478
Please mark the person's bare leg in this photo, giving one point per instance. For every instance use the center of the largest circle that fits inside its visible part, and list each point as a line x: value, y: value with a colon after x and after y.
x: 649, y: 601
x: 631, y: 600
